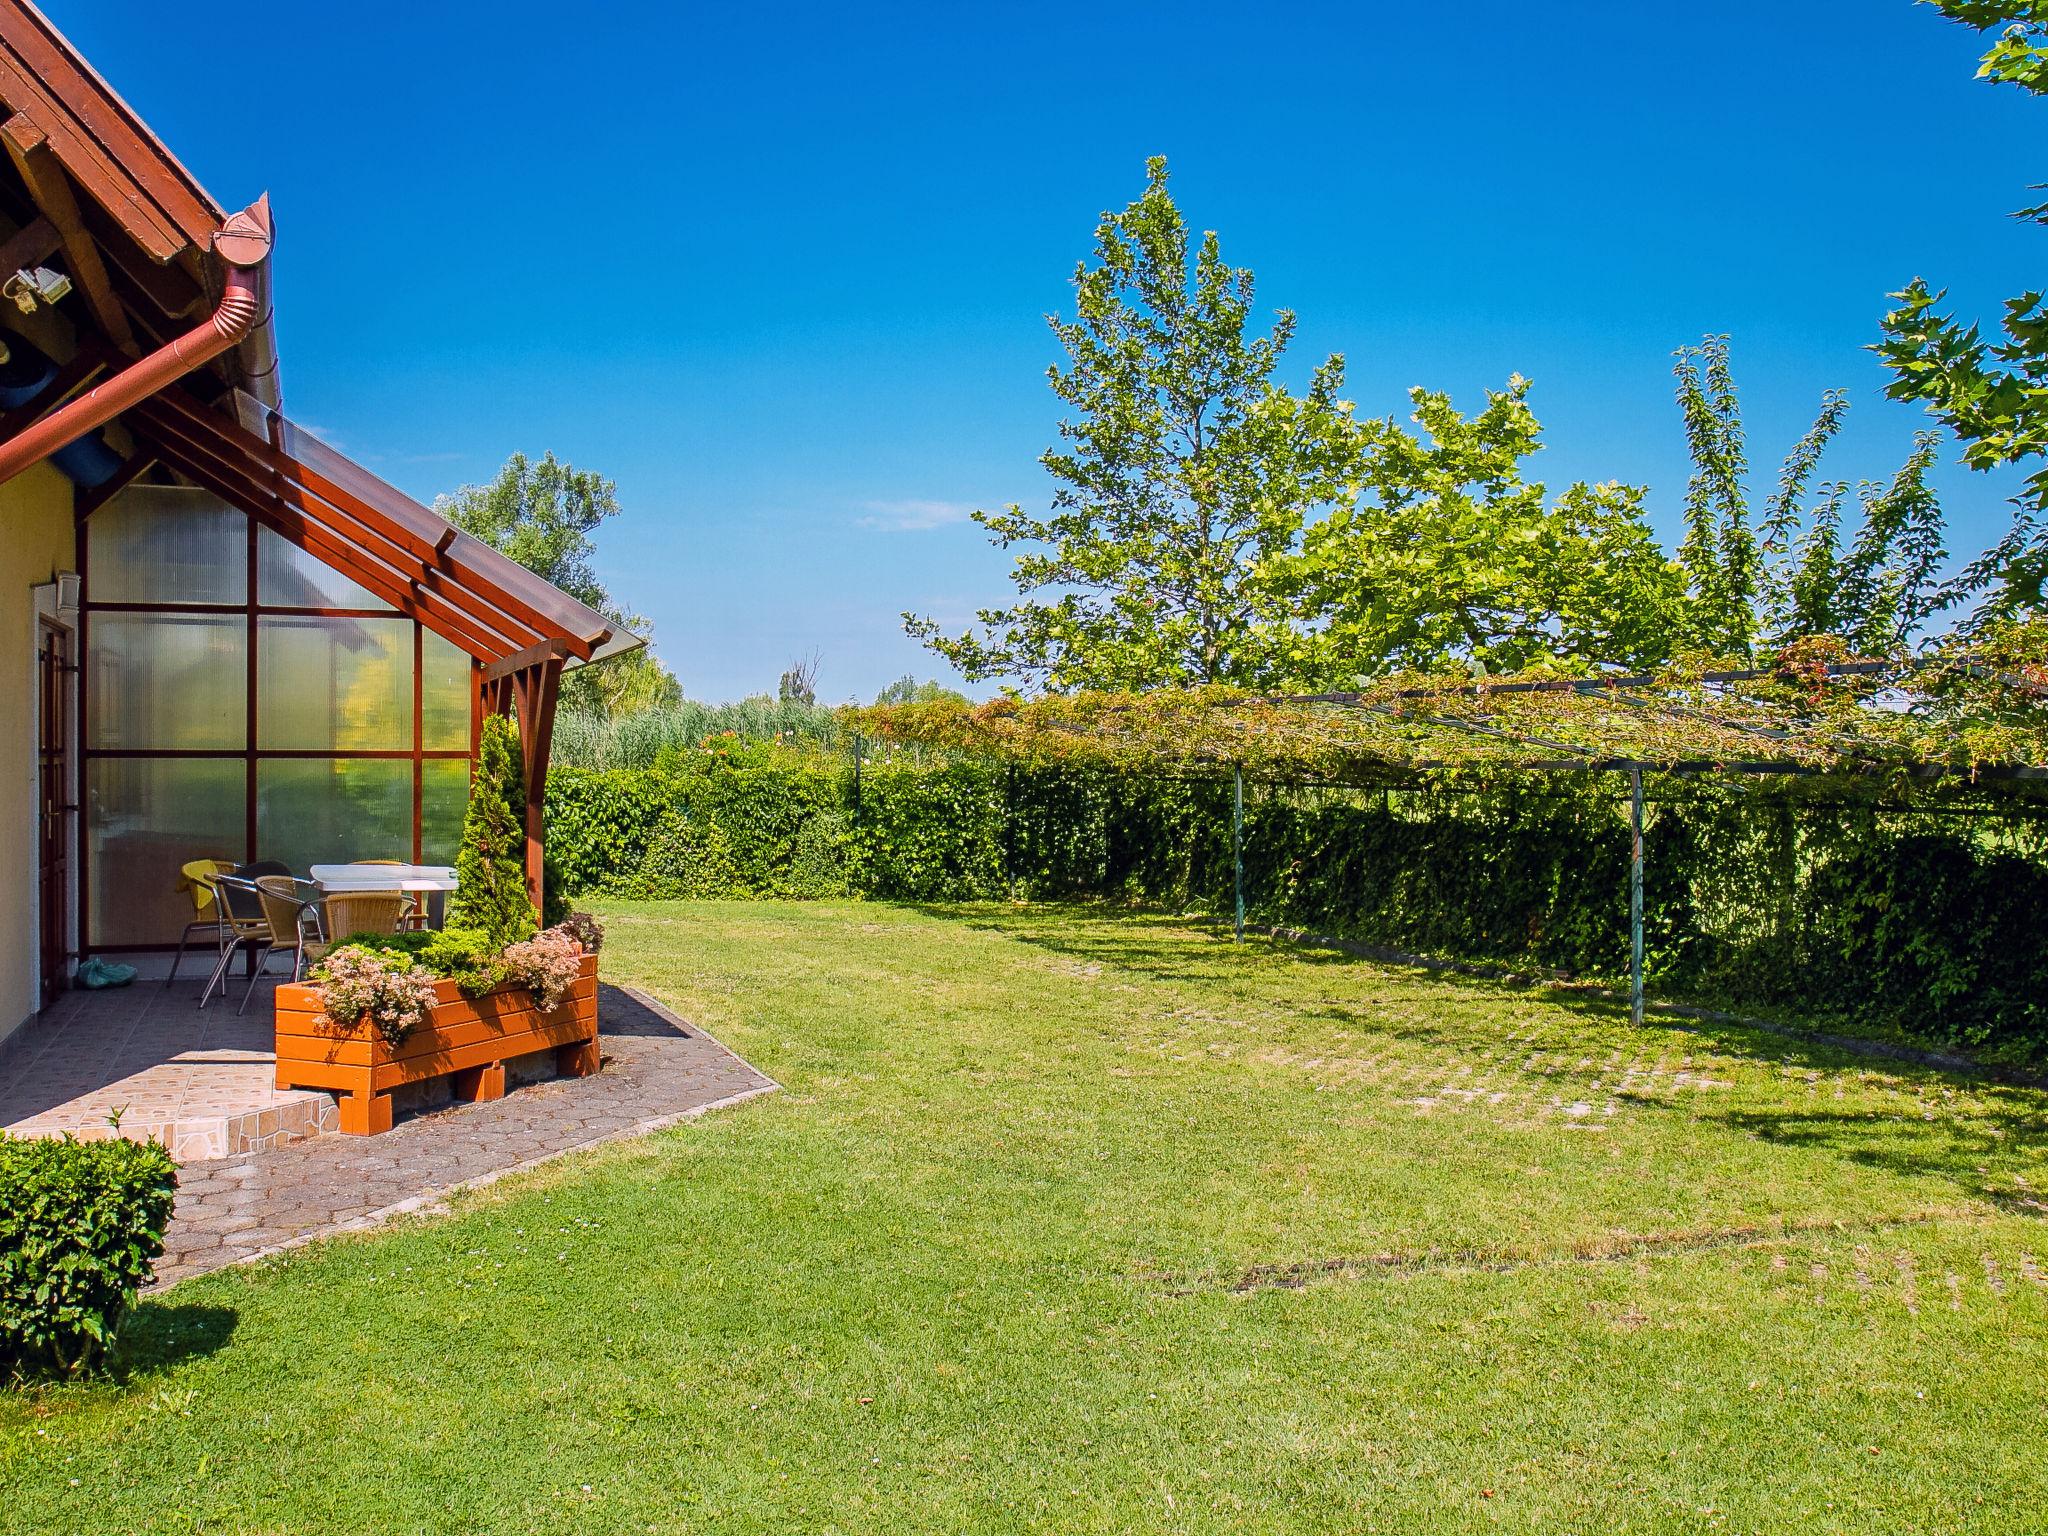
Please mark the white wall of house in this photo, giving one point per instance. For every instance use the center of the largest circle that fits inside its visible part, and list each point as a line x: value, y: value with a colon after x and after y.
x: 36, y: 542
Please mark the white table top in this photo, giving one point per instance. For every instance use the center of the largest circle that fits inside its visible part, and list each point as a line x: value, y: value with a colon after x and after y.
x: 384, y: 877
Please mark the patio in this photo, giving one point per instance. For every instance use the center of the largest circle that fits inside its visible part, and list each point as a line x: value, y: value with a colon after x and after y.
x: 200, y: 1080
x: 262, y: 1172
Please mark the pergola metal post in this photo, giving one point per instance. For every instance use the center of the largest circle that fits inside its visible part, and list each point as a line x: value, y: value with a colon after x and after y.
x: 856, y: 778
x: 1635, y: 895
x: 1237, y: 844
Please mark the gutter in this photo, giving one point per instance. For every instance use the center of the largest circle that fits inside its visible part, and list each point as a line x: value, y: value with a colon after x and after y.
x: 243, y: 246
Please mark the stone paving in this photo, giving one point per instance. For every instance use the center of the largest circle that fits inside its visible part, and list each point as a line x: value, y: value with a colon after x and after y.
x: 201, y: 1081
x: 657, y: 1070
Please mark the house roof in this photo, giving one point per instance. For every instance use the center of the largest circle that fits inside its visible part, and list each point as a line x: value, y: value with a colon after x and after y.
x: 96, y: 193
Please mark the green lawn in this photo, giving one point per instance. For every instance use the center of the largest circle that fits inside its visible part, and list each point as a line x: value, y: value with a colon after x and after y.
x: 1066, y: 1221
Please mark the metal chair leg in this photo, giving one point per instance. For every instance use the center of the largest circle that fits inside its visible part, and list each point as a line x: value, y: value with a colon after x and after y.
x: 256, y: 975
x: 219, y: 976
x: 183, y: 940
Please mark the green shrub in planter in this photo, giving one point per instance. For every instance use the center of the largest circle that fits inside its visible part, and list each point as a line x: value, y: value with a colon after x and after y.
x: 81, y: 1227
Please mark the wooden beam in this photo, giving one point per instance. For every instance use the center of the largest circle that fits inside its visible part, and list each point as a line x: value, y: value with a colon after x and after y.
x: 132, y: 469
x: 71, y: 378
x: 29, y: 246
x: 30, y: 150
x: 532, y: 656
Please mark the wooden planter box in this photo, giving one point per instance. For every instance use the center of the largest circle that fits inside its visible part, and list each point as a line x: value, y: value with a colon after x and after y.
x: 467, y: 1039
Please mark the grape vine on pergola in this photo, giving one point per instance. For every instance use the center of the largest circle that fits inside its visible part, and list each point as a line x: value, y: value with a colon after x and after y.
x: 1904, y: 731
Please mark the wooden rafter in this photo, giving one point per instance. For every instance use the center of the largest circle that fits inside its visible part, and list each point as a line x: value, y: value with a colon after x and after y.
x: 30, y: 246
x: 133, y: 468
x: 29, y: 148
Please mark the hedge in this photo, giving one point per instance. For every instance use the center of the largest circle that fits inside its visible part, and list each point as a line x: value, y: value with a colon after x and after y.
x: 81, y: 1226
x: 1856, y: 915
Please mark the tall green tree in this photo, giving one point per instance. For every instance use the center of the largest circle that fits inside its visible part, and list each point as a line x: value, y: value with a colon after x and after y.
x: 1443, y: 555
x: 1993, y: 394
x: 543, y: 514
x: 1183, y: 471
x: 1803, y: 565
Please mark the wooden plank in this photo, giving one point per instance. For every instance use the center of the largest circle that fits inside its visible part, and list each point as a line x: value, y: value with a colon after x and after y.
x: 122, y: 163
x: 421, y: 1068
x: 301, y: 1038
x: 29, y: 147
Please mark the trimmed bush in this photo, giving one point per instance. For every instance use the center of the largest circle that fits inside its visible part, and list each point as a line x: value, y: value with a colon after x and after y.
x: 81, y: 1227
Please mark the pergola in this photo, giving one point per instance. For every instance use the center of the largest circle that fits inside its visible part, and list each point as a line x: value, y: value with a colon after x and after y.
x: 1885, y: 728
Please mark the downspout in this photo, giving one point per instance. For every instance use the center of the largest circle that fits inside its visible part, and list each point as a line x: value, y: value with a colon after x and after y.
x: 243, y: 245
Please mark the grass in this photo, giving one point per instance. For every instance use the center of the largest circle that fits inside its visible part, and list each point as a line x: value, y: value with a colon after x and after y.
x: 1068, y: 1221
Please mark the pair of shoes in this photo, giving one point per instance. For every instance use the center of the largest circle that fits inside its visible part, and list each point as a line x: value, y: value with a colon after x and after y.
x: 97, y: 973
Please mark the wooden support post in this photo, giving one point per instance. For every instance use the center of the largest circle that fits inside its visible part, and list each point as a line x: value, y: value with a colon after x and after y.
x: 479, y: 1085
x: 1635, y: 896
x: 1237, y: 845
x: 580, y: 1058
x: 365, y: 1114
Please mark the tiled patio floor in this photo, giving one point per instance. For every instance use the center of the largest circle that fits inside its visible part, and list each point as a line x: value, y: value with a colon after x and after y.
x: 200, y: 1081
x: 208, y: 1078
x: 657, y: 1070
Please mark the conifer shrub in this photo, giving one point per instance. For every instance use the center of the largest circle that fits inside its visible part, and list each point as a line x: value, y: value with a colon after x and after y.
x: 490, y: 868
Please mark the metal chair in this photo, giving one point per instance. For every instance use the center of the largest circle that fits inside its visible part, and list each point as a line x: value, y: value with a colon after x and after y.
x: 286, y: 901
x: 243, y: 926
x: 196, y: 879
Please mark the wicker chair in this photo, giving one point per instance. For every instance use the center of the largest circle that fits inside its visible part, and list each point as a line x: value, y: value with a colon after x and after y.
x: 286, y: 903
x: 366, y: 912
x: 415, y: 917
x: 243, y: 927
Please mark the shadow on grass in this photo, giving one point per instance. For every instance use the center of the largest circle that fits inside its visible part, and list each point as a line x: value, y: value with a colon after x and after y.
x: 161, y: 1334
x: 1970, y: 1122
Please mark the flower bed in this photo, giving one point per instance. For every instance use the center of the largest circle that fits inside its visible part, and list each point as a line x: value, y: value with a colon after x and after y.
x: 465, y: 1038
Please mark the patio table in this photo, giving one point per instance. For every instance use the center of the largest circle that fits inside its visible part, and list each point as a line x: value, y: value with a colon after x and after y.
x: 384, y: 877
x: 434, y: 881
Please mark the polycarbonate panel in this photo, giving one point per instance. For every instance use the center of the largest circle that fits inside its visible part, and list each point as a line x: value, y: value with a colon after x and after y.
x: 444, y: 797
x: 288, y: 577
x: 161, y: 681
x: 444, y: 702
x: 333, y: 810
x: 144, y: 819
x: 330, y: 684
x: 167, y: 544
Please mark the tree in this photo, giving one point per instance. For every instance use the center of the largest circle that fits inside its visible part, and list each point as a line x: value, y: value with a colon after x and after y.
x: 1185, y: 470
x: 542, y: 515
x: 1444, y: 555
x: 1756, y: 584
x: 908, y: 690
x: 1992, y: 395
x: 799, y: 681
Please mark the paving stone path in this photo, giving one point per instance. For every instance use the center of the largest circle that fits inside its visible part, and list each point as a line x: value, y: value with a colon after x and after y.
x: 657, y: 1070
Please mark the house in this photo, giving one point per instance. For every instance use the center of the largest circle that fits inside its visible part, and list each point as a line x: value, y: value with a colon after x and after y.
x: 218, y: 636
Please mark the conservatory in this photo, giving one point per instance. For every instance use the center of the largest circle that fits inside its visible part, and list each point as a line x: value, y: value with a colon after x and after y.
x: 220, y: 639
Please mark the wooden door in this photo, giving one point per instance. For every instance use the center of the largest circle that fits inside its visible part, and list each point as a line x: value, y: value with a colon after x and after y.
x: 54, y: 805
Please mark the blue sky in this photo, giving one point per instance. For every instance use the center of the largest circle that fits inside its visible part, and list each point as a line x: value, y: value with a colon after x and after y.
x: 780, y: 270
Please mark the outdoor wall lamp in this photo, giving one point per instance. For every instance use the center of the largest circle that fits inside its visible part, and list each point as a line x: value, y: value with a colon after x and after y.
x: 33, y: 285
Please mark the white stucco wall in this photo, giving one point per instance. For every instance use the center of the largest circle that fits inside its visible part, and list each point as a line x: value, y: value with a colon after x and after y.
x: 36, y: 542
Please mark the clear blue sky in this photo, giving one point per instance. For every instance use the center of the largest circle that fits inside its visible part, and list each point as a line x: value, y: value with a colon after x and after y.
x: 779, y: 270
